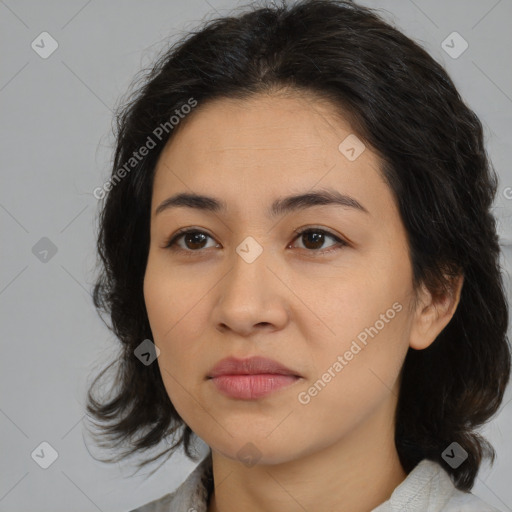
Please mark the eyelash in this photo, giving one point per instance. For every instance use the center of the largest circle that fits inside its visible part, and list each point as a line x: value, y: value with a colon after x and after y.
x: 171, y: 242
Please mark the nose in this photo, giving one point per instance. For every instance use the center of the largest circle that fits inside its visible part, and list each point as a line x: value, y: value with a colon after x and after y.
x: 251, y: 297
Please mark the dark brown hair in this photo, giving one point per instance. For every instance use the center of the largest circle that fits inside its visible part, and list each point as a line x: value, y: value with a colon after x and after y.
x: 402, y: 104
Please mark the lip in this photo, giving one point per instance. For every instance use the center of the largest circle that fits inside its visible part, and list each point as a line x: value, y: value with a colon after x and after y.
x: 250, y: 366
x: 251, y: 378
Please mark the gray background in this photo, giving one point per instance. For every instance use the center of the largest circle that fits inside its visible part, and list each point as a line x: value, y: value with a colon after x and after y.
x: 56, y: 147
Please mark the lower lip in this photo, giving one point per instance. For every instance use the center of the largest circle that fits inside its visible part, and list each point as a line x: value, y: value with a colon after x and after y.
x: 250, y: 387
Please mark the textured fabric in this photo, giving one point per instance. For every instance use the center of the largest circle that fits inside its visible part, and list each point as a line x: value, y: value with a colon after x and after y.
x: 427, y: 488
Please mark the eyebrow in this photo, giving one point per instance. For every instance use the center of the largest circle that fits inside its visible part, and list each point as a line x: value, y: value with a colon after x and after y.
x: 279, y: 207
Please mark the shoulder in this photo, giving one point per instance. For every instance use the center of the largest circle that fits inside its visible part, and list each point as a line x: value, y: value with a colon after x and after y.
x: 429, y: 487
x: 162, y: 504
x: 467, y: 502
x: 192, y: 494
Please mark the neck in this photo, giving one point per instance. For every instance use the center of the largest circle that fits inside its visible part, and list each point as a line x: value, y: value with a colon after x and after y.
x: 356, y: 474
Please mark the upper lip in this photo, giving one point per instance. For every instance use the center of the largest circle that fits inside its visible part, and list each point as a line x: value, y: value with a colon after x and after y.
x: 250, y: 366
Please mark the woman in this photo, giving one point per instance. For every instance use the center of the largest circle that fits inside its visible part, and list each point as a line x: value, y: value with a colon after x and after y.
x: 299, y: 259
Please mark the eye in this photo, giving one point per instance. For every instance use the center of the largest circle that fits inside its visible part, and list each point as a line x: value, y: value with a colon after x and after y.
x: 194, y: 239
x: 315, y: 238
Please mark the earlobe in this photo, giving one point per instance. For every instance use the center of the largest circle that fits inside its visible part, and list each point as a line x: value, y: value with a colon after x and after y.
x: 433, y: 314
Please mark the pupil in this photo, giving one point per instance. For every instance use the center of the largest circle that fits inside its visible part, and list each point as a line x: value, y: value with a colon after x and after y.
x: 316, y: 237
x: 191, y: 236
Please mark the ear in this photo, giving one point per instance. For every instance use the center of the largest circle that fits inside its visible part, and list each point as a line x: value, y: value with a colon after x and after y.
x: 433, y: 314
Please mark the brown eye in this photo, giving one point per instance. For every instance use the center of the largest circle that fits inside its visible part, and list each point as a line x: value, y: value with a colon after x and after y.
x: 313, y: 239
x: 192, y: 238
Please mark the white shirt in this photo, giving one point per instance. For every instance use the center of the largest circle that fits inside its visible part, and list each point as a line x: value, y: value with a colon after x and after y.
x: 427, y: 488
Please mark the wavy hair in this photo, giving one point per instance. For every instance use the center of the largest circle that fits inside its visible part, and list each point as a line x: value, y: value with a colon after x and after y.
x: 401, y: 103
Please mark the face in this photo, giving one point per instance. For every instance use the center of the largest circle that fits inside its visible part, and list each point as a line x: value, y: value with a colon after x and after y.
x: 323, y: 289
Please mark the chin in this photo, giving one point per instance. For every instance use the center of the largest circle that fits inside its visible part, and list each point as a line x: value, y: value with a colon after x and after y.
x: 251, y: 451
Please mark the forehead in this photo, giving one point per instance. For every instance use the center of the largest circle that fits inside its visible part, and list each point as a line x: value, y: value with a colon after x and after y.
x: 262, y: 124
x: 264, y: 145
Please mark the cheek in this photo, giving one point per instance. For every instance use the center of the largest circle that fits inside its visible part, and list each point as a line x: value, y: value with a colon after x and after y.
x: 358, y: 364
x: 169, y: 311
x: 167, y: 296
x: 362, y: 306
x: 154, y: 294
x: 353, y: 381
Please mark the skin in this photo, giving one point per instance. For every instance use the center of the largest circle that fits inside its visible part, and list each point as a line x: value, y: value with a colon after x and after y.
x: 292, y: 304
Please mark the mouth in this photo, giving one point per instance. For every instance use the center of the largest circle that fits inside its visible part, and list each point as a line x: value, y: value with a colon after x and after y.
x: 251, y: 366
x: 252, y: 387
x: 250, y: 379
